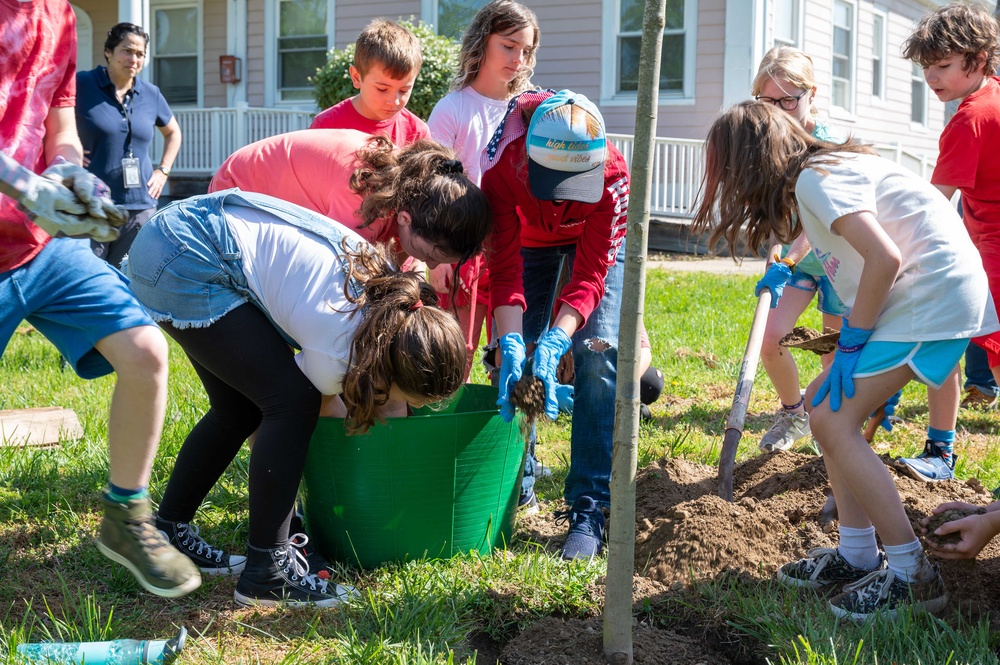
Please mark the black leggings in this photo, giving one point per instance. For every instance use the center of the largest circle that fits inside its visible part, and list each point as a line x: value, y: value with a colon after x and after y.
x: 253, y: 383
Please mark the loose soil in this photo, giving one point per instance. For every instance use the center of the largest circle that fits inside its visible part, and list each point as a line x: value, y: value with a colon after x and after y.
x: 808, y: 339
x: 685, y: 532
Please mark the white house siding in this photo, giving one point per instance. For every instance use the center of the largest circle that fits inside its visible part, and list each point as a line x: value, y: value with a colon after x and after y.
x: 872, y: 119
x: 213, y: 45
x: 253, y: 68
x: 354, y: 15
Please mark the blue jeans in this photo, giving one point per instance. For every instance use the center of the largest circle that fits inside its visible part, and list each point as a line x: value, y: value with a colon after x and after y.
x: 977, y: 371
x: 595, y: 355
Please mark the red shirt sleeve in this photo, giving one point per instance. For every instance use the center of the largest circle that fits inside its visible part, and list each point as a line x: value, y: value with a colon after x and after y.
x: 599, y: 244
x: 503, y: 246
x: 958, y: 156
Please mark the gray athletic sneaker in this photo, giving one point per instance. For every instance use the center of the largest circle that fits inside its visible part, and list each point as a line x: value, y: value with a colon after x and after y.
x: 787, y: 428
x: 822, y: 567
x: 129, y: 537
x: 882, y: 592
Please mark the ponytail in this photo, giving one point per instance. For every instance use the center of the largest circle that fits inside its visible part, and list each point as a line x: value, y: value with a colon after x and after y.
x: 404, y: 339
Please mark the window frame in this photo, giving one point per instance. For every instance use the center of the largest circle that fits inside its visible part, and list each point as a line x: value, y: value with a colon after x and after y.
x: 151, y: 54
x: 610, y: 34
x: 917, y: 74
x: 883, y: 43
x: 798, y: 10
x: 272, y: 95
x: 852, y: 83
x: 429, y: 14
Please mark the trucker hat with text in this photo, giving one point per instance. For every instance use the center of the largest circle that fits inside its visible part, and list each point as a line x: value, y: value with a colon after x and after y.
x: 566, y: 149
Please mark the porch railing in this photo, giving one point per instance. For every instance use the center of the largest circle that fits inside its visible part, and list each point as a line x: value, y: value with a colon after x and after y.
x: 211, y: 135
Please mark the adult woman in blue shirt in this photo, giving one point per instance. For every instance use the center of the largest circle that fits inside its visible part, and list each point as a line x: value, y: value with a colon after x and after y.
x: 115, y: 116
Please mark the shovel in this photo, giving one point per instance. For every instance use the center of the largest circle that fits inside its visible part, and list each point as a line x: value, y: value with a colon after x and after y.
x: 744, y: 384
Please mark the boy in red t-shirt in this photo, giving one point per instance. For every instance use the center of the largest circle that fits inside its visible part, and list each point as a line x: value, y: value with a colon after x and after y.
x: 957, y: 47
x: 387, y: 59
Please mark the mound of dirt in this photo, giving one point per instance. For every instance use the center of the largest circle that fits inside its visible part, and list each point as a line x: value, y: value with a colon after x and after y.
x: 554, y: 641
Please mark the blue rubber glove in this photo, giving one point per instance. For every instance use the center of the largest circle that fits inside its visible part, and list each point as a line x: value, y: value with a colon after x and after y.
x: 774, y: 280
x: 890, y: 409
x: 840, y: 380
x: 565, y: 395
x: 512, y: 358
x: 551, y: 347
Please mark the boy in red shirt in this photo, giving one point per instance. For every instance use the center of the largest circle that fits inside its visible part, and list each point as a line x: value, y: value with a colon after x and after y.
x: 387, y: 59
x: 957, y: 46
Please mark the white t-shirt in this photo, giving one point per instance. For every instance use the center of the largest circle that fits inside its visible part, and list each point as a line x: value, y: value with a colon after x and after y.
x: 465, y: 121
x: 299, y: 280
x: 941, y: 291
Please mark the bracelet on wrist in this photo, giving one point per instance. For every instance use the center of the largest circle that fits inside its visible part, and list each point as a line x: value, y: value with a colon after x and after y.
x: 788, y: 262
x: 164, y: 171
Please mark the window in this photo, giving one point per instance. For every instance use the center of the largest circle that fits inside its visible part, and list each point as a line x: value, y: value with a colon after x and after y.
x: 174, y: 56
x: 842, y: 89
x: 452, y: 17
x: 786, y: 23
x: 918, y: 91
x: 302, y: 46
x: 674, y: 53
x: 878, y: 55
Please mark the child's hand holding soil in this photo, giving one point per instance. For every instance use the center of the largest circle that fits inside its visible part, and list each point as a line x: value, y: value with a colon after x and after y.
x: 959, y: 530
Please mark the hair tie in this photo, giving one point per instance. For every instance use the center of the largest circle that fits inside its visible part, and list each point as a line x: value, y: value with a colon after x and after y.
x: 415, y: 306
x: 450, y: 166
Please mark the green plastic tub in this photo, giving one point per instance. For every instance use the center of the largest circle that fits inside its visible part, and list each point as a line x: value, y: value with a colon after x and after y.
x: 432, y: 485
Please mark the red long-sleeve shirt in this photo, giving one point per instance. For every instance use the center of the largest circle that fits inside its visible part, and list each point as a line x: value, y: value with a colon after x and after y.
x: 521, y: 220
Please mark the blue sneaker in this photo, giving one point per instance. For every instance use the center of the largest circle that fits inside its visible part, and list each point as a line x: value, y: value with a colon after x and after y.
x: 585, y: 539
x: 931, y: 465
x: 527, y: 503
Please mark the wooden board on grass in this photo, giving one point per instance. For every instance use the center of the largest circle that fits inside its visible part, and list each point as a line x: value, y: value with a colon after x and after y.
x: 42, y: 427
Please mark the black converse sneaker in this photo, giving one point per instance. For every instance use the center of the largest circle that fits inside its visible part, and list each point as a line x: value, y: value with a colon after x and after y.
x: 882, y: 592
x: 210, y: 560
x: 315, y: 561
x: 280, y: 576
x: 822, y: 567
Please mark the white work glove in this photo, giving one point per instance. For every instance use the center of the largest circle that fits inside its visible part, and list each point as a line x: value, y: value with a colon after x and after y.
x: 58, y: 209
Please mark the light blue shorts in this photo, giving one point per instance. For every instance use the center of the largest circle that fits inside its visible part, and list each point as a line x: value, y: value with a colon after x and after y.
x: 827, y: 300
x: 73, y: 298
x: 932, y: 362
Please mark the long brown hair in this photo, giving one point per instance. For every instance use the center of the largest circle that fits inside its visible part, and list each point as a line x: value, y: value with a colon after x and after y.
x: 404, y: 338
x: 425, y: 180
x: 500, y: 17
x: 754, y: 155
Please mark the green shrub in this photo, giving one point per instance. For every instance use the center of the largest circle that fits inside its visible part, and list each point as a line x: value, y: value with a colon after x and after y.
x: 333, y: 81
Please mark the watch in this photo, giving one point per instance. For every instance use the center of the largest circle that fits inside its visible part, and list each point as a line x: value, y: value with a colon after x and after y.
x: 164, y: 171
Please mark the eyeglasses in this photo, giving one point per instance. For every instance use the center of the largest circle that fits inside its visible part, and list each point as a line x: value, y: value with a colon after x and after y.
x: 786, y: 103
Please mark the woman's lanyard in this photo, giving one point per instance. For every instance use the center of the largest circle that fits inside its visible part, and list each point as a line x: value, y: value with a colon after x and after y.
x: 131, y: 172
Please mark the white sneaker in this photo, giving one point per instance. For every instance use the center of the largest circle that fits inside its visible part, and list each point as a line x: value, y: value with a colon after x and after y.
x: 787, y: 428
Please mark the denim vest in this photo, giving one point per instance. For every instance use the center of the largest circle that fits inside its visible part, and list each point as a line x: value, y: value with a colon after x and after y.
x: 206, y: 221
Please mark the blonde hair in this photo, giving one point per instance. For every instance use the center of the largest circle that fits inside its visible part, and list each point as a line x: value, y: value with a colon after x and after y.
x: 389, y: 45
x: 788, y: 64
x: 500, y: 17
x: 754, y: 155
x: 404, y: 338
x: 955, y: 29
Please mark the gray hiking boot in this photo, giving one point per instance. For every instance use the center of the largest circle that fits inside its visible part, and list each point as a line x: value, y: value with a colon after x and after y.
x: 822, y: 567
x: 129, y: 537
x: 882, y: 592
x: 787, y: 428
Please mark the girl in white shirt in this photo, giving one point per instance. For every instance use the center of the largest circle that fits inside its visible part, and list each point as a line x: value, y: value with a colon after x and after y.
x: 899, y: 258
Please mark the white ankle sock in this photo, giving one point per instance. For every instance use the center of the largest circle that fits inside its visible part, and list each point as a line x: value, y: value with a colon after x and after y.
x: 905, y: 560
x: 858, y: 547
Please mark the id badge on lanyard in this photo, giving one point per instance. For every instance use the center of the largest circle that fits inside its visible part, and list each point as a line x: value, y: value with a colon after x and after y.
x: 131, y: 171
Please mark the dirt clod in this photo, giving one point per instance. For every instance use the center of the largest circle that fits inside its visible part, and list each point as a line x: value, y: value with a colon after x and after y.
x: 948, y: 516
x: 808, y: 339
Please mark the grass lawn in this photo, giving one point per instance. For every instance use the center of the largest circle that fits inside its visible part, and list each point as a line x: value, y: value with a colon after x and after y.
x: 55, y: 585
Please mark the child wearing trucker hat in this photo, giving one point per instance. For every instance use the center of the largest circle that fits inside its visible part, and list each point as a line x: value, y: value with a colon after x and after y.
x: 559, y: 193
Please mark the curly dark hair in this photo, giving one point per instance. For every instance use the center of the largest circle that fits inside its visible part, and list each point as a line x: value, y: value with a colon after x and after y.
x: 956, y: 29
